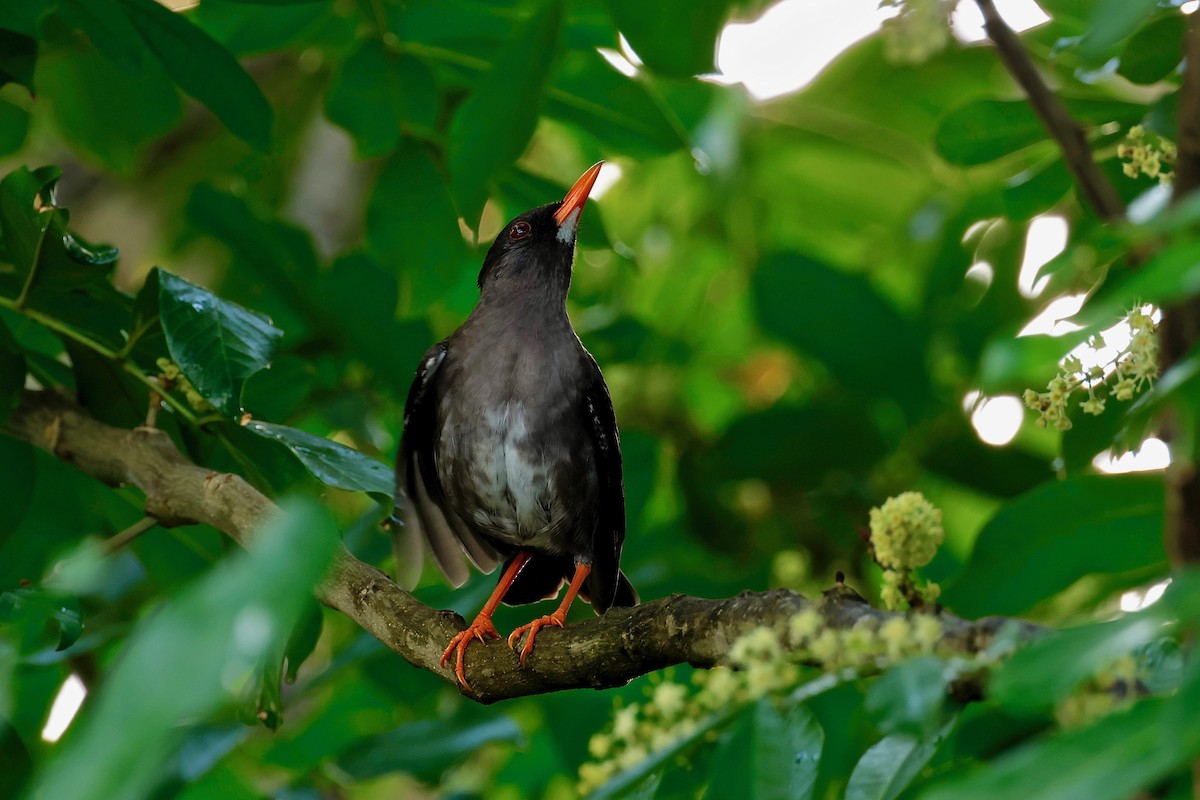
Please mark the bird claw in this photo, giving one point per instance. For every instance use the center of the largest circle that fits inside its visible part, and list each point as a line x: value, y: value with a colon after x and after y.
x: 482, y: 629
x: 555, y: 619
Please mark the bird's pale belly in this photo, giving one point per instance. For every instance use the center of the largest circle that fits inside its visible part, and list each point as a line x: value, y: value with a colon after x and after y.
x: 501, y: 484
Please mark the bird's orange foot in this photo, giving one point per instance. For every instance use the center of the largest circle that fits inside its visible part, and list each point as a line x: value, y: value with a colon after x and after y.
x: 482, y: 628
x: 556, y: 619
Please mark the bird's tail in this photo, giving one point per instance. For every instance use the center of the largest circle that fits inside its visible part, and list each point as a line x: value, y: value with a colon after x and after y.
x: 408, y: 550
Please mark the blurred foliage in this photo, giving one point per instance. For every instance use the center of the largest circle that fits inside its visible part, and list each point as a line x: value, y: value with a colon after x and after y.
x: 787, y: 298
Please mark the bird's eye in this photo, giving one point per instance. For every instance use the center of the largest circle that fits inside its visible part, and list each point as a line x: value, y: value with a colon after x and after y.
x: 519, y: 230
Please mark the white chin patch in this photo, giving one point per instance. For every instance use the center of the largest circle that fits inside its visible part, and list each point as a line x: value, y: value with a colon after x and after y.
x: 566, y: 231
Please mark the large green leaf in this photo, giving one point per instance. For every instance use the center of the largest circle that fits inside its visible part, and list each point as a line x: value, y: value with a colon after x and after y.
x: 1110, y: 23
x: 1109, y: 760
x: 332, y: 463
x: 769, y: 753
x: 88, y: 87
x: 985, y: 130
x: 1047, y: 670
x: 24, y: 221
x: 204, y: 69
x: 377, y: 92
x: 425, y: 748
x: 110, y: 30
x: 1034, y: 547
x: 1148, y: 55
x: 908, y: 698
x: 192, y: 657
x: 860, y: 337
x: 890, y: 765
x: 217, y: 344
x: 620, y: 113
x: 674, y: 37
x: 18, y: 55
x: 14, y: 126
x: 33, y: 603
x: 412, y: 226
x: 493, y: 125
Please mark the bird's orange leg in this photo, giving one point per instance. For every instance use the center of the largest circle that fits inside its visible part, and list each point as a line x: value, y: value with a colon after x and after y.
x: 482, y: 626
x: 557, y: 618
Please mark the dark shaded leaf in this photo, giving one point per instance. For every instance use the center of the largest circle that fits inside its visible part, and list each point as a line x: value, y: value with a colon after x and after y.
x: 1029, y: 550
x: 29, y: 602
x: 985, y: 130
x: 674, y: 37
x: 1110, y: 23
x: 109, y: 29
x: 18, y: 55
x: 12, y: 373
x: 426, y: 748
x: 14, y: 126
x: 217, y: 344
x: 1048, y: 670
x: 1150, y: 55
x: 491, y: 129
x: 205, y: 70
x: 412, y: 226
x: 332, y: 463
x: 377, y: 92
x: 881, y: 352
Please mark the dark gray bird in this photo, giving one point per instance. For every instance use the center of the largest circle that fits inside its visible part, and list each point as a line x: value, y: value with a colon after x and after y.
x: 510, y: 449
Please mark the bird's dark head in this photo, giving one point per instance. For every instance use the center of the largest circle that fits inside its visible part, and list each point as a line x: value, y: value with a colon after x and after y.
x: 535, y: 250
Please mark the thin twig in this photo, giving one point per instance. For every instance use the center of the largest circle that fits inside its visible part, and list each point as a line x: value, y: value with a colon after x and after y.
x: 1066, y: 131
x: 115, y: 543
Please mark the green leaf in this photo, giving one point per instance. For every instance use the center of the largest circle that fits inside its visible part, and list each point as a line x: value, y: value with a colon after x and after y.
x: 769, y: 753
x: 217, y: 344
x: 1030, y: 549
x: 18, y: 464
x: 14, y: 127
x: 28, y: 602
x: 425, y: 748
x: 205, y: 70
x: 18, y: 55
x: 103, y: 110
x: 985, y: 130
x: 1049, y: 669
x: 1110, y: 23
x: 620, y: 113
x: 191, y: 657
x: 908, y: 698
x: 303, y: 640
x: 109, y: 29
x: 1150, y: 55
x: 376, y: 92
x: 890, y: 765
x: 333, y: 464
x: 1110, y: 760
x: 1171, y: 275
x: 12, y: 373
x: 492, y: 127
x: 412, y: 225
x: 26, y: 213
x: 1036, y: 190
x: 674, y: 37
x: 881, y: 352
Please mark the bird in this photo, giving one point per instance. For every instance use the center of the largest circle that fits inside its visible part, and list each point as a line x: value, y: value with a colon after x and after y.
x: 510, y: 451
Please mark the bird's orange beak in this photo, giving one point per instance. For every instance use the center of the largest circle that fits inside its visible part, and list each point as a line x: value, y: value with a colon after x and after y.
x: 578, y: 194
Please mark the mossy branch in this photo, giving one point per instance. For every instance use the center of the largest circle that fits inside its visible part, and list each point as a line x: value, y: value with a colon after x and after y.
x: 601, y: 652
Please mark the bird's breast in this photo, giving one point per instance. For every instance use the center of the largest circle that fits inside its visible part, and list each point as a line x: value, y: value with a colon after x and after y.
x: 507, y: 474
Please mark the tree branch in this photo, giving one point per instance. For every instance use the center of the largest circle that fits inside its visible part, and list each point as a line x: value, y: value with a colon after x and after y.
x: 1071, y: 140
x: 602, y: 652
x: 1181, y: 323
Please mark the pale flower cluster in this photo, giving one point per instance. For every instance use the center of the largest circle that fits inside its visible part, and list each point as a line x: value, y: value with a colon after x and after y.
x: 171, y: 376
x: 919, y: 31
x: 1132, y: 370
x: 1150, y: 155
x: 764, y: 664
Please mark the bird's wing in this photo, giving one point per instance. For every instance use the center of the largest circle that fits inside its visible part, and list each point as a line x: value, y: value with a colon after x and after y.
x: 425, y: 515
x: 600, y: 421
